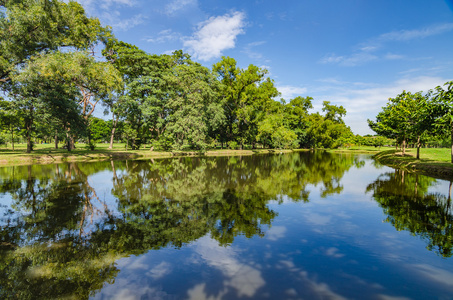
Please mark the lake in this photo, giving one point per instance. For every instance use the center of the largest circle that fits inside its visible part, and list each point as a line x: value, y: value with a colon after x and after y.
x: 303, y: 225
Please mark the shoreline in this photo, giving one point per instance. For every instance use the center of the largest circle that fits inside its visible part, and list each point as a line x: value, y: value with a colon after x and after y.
x: 394, y: 159
x: 50, y: 157
x: 390, y: 158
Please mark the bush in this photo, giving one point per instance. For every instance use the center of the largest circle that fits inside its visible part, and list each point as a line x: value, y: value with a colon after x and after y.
x: 232, y: 145
x: 90, y: 146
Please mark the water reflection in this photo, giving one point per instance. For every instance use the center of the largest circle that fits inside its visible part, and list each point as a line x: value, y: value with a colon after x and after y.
x: 58, y: 238
x: 64, y: 229
x: 408, y: 204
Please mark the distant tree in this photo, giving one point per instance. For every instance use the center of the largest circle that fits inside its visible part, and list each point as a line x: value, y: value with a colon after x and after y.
x: 327, y: 131
x: 9, y: 120
x: 100, y: 129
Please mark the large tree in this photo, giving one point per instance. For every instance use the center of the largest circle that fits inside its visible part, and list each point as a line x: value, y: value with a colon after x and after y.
x: 406, y: 118
x: 247, y: 95
x: 30, y: 27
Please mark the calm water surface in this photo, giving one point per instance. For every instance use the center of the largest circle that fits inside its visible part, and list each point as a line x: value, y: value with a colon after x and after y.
x: 288, y: 226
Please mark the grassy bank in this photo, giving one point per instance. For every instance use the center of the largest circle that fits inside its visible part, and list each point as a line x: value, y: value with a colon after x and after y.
x: 433, y: 162
x: 46, y: 153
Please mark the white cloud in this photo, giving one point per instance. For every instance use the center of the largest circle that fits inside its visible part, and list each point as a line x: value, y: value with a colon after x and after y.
x: 127, y: 24
x: 437, y: 275
x: 177, y: 5
x: 363, y: 102
x: 367, y: 51
x: 349, y: 60
x: 253, y: 54
x: 92, y: 5
x: 165, y: 36
x: 406, y: 35
x: 215, y: 35
x: 160, y: 270
x: 392, y: 56
x: 289, y: 92
x: 276, y: 233
x: 109, y: 12
x: 244, y: 279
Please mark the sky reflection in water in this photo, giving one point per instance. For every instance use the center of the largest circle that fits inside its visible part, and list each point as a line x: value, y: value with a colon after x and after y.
x: 296, y: 226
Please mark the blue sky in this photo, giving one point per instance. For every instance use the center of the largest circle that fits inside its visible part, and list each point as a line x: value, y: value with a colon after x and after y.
x: 355, y: 53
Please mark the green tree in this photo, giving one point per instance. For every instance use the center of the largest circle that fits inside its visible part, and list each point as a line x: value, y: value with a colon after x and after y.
x: 100, y: 129
x: 247, y: 96
x: 9, y: 120
x: 194, y: 107
x: 94, y: 80
x: 443, y: 110
x: 407, y: 117
x: 30, y: 27
x: 296, y: 114
x: 327, y: 131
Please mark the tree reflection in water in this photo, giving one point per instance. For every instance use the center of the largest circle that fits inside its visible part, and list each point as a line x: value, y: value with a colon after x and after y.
x: 58, y: 239
x: 409, y: 206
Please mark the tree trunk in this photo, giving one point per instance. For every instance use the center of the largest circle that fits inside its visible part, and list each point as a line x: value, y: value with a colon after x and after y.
x: 69, y: 139
x: 12, y: 138
x: 451, y: 144
x: 403, y: 147
x: 29, y: 141
x: 114, y: 124
x: 56, y: 139
x: 418, y: 147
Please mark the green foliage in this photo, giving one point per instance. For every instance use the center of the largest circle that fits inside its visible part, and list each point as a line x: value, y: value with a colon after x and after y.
x: 31, y: 27
x: 443, y: 110
x: 406, y: 201
x: 100, y: 129
x: 233, y: 145
x: 47, y: 68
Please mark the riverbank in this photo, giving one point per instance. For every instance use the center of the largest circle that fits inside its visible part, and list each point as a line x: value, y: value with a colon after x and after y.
x: 45, y: 154
x: 433, y: 162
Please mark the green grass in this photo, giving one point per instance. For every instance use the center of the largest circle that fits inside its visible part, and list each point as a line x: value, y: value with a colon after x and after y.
x: 46, y: 153
x: 433, y: 162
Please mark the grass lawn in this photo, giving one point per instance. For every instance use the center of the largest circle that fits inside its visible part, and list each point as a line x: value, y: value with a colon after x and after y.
x: 435, y: 162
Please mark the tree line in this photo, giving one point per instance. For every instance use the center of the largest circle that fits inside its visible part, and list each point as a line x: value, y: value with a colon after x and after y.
x: 53, y: 82
x: 417, y: 117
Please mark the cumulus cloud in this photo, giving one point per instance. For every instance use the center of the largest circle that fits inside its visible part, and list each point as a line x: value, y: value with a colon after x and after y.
x: 215, y: 35
x: 289, y: 92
